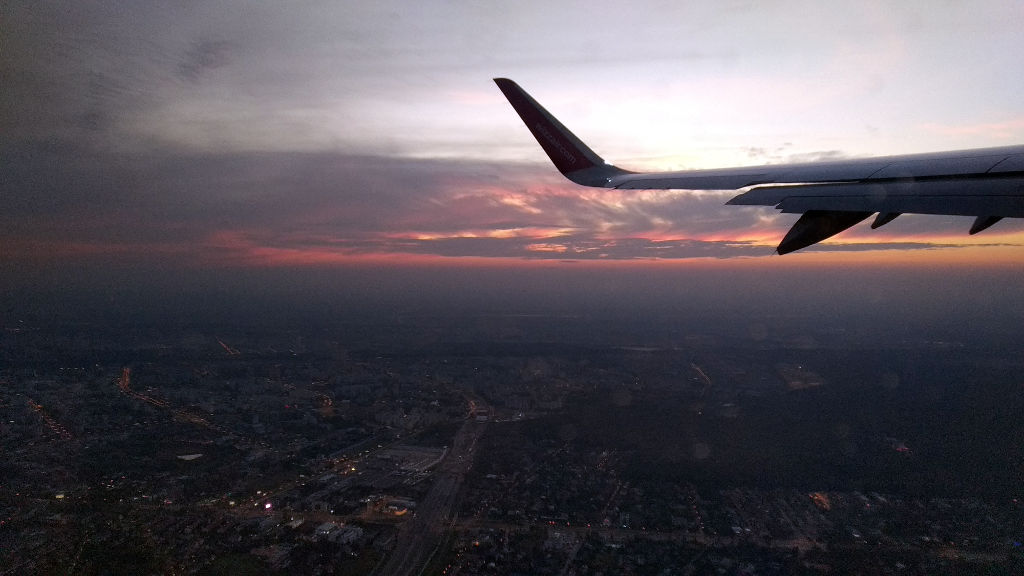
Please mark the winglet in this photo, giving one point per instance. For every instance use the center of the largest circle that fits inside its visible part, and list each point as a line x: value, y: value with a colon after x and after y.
x: 570, y: 155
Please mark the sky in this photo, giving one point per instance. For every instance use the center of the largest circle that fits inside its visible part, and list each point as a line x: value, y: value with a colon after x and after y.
x: 230, y: 135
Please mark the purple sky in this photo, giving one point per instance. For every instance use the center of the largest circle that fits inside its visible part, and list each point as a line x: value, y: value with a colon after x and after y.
x: 265, y: 134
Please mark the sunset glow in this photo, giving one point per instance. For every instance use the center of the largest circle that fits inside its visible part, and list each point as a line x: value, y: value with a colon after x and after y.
x: 204, y: 139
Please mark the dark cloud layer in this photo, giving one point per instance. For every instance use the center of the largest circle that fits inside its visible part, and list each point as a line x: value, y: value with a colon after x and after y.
x: 271, y: 205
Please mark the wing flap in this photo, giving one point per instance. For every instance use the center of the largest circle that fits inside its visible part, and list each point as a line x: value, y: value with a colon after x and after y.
x: 817, y: 225
x: 977, y: 197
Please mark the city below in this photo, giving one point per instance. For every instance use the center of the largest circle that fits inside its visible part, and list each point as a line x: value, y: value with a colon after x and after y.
x: 401, y: 449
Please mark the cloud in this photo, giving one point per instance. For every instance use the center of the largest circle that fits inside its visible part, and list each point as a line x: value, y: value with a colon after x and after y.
x: 211, y: 134
x: 204, y: 56
x: 272, y: 208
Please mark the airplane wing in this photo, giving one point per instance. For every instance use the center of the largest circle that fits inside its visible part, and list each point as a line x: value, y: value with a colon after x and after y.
x: 831, y: 196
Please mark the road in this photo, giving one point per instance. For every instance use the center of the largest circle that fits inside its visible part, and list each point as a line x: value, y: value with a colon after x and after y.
x: 420, y: 538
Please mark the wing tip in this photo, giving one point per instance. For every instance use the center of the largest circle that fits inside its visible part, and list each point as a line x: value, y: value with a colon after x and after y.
x: 568, y: 153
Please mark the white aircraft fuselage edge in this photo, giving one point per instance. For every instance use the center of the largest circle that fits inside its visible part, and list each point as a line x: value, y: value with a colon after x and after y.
x: 831, y: 196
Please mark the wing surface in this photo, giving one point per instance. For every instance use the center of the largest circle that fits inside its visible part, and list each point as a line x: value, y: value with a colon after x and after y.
x: 986, y: 183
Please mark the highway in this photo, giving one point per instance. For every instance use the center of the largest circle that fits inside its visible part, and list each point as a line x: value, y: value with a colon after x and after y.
x: 421, y: 537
